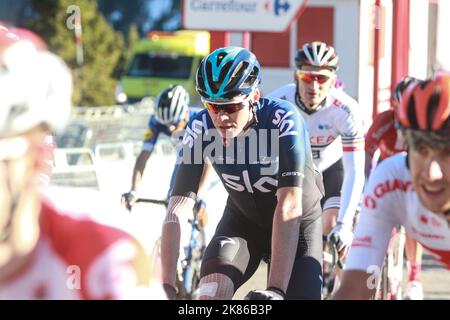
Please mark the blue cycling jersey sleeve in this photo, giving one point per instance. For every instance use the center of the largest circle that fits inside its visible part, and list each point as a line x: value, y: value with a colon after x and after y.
x: 294, y: 148
x: 152, y: 133
x: 190, y: 157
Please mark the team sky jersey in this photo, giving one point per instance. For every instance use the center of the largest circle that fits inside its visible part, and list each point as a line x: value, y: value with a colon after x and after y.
x: 155, y: 128
x: 383, y: 135
x: 77, y: 257
x: 336, y: 131
x: 254, y: 165
x: 390, y: 201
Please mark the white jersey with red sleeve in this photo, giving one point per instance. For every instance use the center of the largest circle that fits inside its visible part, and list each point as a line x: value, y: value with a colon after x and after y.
x: 77, y: 257
x: 390, y: 201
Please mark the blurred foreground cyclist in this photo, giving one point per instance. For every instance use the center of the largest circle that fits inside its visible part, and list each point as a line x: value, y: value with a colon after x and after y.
x: 46, y: 253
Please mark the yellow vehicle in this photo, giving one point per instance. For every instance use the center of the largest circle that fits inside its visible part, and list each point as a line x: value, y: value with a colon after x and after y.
x: 161, y: 60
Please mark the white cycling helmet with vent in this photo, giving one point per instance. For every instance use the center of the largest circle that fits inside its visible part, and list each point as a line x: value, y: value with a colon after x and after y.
x: 35, y: 86
x: 171, y: 105
x: 317, y: 54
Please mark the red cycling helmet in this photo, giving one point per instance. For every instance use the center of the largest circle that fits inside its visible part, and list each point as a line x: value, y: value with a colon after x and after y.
x: 426, y: 106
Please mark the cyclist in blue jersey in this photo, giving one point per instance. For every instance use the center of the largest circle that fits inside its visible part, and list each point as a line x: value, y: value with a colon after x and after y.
x: 172, y: 114
x: 260, y: 150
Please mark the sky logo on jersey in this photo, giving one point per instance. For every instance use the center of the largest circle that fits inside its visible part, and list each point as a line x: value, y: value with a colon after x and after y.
x: 284, y: 124
x: 193, y: 131
x: 233, y: 182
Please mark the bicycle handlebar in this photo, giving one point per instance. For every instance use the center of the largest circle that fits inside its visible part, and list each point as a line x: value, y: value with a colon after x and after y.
x: 335, y: 259
x: 154, y: 201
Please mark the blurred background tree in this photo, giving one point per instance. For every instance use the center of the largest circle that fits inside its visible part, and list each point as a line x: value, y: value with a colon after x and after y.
x: 102, y: 46
x: 110, y: 28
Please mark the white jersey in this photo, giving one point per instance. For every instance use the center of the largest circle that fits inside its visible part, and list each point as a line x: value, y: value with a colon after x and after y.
x: 336, y: 130
x: 390, y: 201
x: 336, y: 127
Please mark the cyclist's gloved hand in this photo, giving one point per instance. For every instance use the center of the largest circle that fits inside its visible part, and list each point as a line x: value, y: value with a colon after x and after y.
x: 199, y: 204
x: 270, y: 293
x: 171, y: 292
x: 129, y: 199
x: 342, y: 236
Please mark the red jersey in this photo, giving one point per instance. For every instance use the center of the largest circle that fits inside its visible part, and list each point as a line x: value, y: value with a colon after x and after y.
x: 383, y: 135
x: 79, y: 258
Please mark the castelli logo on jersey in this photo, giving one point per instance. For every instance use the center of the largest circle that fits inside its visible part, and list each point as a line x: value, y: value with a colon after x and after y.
x: 383, y: 188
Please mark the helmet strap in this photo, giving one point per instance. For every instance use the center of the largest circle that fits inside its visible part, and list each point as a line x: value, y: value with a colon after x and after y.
x: 253, y: 118
x: 304, y: 108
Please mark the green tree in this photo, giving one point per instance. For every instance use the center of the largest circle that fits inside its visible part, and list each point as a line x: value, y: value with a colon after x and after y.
x: 103, y: 47
x: 130, y: 41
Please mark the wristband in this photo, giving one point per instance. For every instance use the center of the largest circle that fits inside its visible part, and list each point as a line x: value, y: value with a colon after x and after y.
x: 279, y: 291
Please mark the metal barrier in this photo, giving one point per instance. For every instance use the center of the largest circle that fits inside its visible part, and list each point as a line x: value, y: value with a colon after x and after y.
x: 75, y: 167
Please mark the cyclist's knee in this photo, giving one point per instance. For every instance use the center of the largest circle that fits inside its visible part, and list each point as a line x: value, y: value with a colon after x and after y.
x: 219, y: 265
x: 216, y: 286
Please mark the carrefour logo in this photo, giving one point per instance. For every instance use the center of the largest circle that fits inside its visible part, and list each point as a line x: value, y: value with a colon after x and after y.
x: 278, y: 6
x: 224, y: 6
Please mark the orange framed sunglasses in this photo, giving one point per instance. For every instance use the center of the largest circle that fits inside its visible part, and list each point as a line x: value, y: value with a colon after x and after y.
x: 228, y: 107
x: 309, y: 77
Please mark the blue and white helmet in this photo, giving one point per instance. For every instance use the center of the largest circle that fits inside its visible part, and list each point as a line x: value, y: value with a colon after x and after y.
x: 227, y: 73
x: 171, y: 105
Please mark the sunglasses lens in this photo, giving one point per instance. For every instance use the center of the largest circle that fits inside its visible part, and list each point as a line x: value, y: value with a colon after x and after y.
x: 227, y: 108
x: 309, y: 78
x: 321, y: 78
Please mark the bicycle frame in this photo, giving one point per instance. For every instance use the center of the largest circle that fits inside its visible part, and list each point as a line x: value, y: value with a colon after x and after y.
x: 389, y: 286
x: 330, y: 281
x: 193, y: 255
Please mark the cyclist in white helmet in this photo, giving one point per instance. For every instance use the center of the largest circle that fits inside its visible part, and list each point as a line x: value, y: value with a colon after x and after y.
x: 47, y: 252
x: 171, y: 116
x: 335, y: 125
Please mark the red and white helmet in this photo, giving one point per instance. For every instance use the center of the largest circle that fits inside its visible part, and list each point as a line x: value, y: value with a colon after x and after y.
x: 35, y: 85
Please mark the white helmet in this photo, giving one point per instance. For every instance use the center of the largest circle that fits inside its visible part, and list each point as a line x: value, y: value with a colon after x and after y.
x: 317, y: 54
x: 35, y: 86
x: 171, y: 105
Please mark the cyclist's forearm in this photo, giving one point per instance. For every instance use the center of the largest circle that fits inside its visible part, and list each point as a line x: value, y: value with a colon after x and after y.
x: 352, y: 186
x: 284, y: 247
x: 139, y: 168
x: 170, y: 247
x: 207, y: 169
x: 170, y: 243
x: 368, y: 165
x: 285, y: 235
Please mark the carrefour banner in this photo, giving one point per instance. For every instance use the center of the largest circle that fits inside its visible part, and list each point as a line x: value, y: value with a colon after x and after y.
x: 241, y: 15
